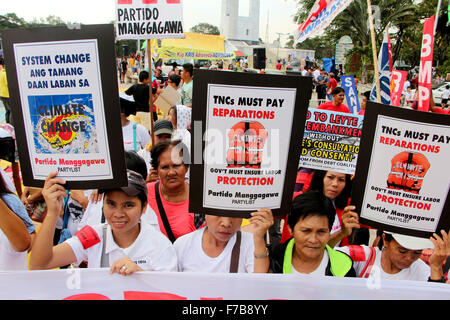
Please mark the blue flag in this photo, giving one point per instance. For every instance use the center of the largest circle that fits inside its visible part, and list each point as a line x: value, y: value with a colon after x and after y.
x: 383, y: 73
x: 348, y: 83
x: 327, y: 64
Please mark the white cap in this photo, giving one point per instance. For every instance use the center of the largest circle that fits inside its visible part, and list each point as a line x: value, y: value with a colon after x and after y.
x: 412, y: 243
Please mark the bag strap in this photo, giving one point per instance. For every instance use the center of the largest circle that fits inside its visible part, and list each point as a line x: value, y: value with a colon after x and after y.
x: 235, y: 254
x: 134, y: 136
x: 103, y: 216
x: 66, y: 211
x: 163, y: 215
x: 446, y: 266
x: 369, y: 264
x: 104, y: 260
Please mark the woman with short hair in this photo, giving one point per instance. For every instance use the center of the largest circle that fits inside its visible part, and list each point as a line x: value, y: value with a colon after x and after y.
x: 307, y: 252
x: 337, y: 187
x: 123, y: 244
x: 169, y: 196
x: 398, y: 256
x: 221, y: 247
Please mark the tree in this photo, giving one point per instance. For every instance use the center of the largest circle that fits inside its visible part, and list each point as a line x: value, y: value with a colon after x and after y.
x: 321, y: 45
x: 11, y: 20
x: 353, y: 21
x: 442, y: 36
x: 44, y: 22
x: 205, y: 28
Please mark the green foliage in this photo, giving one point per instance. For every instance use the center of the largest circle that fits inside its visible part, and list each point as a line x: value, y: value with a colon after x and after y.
x: 444, y: 68
x: 205, y: 28
x: 46, y: 22
x: 10, y: 21
x: 321, y: 45
x: 404, y: 18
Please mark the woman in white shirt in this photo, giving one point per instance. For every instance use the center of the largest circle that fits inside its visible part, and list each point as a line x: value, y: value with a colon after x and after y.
x: 398, y: 257
x: 93, y: 212
x: 124, y: 244
x: 16, y: 230
x: 221, y: 247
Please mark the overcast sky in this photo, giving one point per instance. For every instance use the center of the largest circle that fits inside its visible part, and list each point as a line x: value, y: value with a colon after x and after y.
x: 195, y: 11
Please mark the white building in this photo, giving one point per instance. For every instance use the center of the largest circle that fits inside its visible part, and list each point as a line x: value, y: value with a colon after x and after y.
x: 236, y: 27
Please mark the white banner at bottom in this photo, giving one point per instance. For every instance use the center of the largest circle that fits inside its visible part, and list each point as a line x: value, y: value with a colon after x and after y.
x: 98, y: 284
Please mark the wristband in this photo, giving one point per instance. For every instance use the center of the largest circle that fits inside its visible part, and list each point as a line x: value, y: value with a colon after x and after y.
x: 442, y: 280
x: 263, y: 255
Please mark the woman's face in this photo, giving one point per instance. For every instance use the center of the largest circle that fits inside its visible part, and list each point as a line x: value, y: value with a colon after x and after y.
x: 171, y: 169
x: 401, y: 258
x: 222, y: 228
x: 364, y: 103
x: 311, y: 234
x: 333, y: 184
x: 122, y: 212
x: 339, y: 98
x: 171, y: 117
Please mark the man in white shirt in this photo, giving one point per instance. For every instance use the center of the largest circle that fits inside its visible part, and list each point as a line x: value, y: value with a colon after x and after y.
x: 188, y: 82
x: 316, y: 74
x: 445, y: 96
x: 135, y: 135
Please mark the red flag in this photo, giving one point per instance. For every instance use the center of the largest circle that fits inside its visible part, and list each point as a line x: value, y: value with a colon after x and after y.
x: 426, y: 65
x: 397, y: 82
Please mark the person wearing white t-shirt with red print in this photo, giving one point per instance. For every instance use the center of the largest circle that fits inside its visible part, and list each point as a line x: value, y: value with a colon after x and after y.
x: 123, y: 244
x: 211, y: 248
x: 399, y: 256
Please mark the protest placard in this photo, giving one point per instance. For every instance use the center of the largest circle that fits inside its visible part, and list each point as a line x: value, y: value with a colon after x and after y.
x: 351, y: 93
x: 331, y: 141
x: 401, y: 182
x: 253, y: 125
x: 65, y: 116
x: 167, y: 99
x: 157, y: 19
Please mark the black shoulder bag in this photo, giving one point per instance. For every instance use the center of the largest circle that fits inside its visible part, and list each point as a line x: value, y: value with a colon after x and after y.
x: 163, y: 215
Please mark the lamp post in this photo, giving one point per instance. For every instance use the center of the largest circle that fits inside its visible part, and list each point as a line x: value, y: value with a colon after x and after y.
x: 278, y: 49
